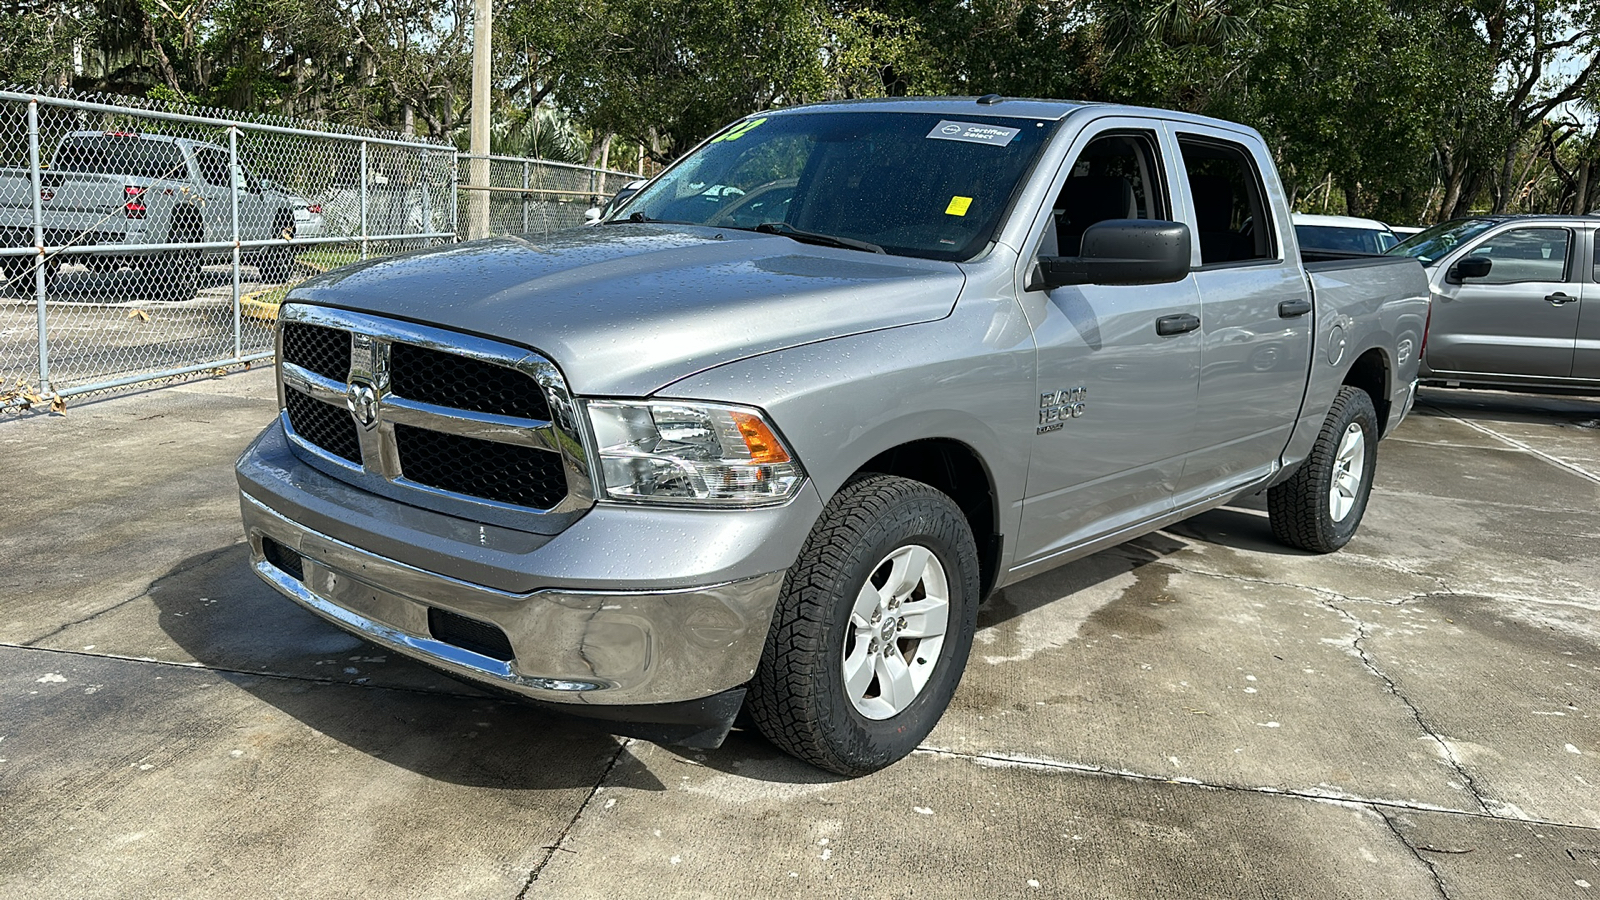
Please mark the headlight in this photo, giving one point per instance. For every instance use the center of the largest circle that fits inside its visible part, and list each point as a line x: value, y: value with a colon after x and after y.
x: 700, y: 454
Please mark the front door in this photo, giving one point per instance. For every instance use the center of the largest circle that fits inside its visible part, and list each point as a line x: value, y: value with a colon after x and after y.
x: 1520, y: 319
x: 1116, y: 399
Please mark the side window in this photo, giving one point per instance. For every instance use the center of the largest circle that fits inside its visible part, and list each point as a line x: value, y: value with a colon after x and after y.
x: 1233, y: 223
x: 213, y: 167
x: 1526, y: 254
x: 1117, y: 176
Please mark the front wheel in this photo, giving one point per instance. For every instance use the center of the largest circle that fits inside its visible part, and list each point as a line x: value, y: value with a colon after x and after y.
x: 1321, y: 505
x: 872, y: 630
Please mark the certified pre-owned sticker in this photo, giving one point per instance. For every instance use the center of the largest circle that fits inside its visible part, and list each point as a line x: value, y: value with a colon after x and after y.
x: 973, y: 133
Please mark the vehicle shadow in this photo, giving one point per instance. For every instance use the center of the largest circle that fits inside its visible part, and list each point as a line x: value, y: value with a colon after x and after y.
x: 1506, y: 407
x: 215, y: 609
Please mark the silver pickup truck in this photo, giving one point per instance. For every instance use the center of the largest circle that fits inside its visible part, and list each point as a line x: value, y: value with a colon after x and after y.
x: 767, y: 436
x: 133, y: 190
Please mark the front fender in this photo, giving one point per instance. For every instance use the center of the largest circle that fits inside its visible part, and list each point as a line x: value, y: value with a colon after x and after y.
x: 838, y: 403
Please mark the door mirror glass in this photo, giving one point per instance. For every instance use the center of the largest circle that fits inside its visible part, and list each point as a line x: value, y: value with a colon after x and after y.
x: 1120, y: 251
x: 1471, y: 267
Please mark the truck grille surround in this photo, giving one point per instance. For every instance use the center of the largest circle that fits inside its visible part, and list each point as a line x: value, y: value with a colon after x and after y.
x: 434, y: 418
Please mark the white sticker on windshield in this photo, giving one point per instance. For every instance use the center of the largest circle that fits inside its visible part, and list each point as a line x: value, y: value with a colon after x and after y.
x: 973, y: 133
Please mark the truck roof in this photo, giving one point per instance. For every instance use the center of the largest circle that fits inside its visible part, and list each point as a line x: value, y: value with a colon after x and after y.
x: 996, y: 105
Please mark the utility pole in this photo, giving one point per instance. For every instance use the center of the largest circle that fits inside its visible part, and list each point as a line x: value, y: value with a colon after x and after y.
x: 478, y: 167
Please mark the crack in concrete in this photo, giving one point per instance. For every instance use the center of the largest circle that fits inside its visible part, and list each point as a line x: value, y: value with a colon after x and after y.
x: 1366, y: 660
x: 1005, y: 759
x: 538, y: 870
x: 151, y: 586
x: 1438, y: 880
x: 1267, y: 582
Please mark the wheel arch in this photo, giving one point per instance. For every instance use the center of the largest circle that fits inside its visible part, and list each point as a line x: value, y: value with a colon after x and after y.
x: 1371, y: 373
x: 958, y: 471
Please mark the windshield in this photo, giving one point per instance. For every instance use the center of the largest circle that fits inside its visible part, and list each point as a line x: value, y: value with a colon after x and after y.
x: 1342, y: 239
x: 1433, y: 244
x: 120, y: 154
x: 914, y: 184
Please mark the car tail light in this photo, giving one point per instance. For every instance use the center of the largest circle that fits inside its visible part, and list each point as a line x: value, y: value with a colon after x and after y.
x: 316, y: 208
x: 134, y: 206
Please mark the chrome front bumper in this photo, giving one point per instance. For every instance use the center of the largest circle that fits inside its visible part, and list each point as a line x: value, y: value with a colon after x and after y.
x: 571, y: 647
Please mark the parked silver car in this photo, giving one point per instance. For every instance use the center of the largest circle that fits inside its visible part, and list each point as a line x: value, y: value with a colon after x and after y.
x: 1508, y: 300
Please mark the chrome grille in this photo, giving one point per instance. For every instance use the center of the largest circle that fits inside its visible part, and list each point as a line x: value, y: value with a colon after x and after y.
x: 521, y: 476
x: 470, y: 427
x: 325, y: 351
x: 418, y: 373
x: 327, y: 426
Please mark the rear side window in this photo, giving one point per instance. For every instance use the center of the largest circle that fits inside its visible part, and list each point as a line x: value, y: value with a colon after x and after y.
x: 213, y: 167
x: 120, y: 155
x: 1233, y: 223
x: 1526, y: 254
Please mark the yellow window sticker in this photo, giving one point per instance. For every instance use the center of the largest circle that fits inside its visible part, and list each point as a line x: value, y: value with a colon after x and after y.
x: 740, y: 130
x: 958, y: 206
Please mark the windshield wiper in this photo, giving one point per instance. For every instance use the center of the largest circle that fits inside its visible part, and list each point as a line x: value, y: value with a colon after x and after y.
x: 809, y: 237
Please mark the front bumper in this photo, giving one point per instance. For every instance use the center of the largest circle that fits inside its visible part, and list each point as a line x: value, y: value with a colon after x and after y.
x: 586, y: 625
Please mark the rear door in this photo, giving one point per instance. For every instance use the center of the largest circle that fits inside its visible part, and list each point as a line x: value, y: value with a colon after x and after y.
x: 1522, y: 318
x: 1115, y: 398
x: 1256, y: 313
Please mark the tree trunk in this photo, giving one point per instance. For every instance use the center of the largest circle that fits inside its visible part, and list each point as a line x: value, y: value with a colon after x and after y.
x: 1580, y: 198
x: 1354, y: 203
x: 1468, y: 193
x: 1506, y: 187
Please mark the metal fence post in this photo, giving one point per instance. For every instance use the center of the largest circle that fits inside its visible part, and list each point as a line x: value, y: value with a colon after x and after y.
x: 363, y: 199
x: 426, y: 181
x: 455, y: 194
x: 38, y: 243
x: 234, y: 179
x: 526, y: 197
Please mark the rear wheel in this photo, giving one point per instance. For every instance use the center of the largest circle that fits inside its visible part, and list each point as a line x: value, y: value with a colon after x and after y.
x: 1321, y: 505
x: 277, y: 263
x: 11, y: 269
x: 873, y: 628
x: 174, y: 274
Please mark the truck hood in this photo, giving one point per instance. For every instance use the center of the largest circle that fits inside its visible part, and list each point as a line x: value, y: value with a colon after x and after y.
x: 624, y: 310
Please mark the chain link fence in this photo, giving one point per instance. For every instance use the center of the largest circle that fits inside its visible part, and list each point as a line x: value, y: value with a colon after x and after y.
x: 513, y: 195
x: 141, y: 242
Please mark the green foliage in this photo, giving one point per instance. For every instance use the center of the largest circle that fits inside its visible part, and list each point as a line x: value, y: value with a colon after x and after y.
x: 1403, y: 109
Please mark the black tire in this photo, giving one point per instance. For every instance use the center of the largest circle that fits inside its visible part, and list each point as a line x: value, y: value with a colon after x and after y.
x: 12, y: 267
x: 277, y: 263
x: 798, y: 696
x: 174, y: 275
x: 1302, y: 509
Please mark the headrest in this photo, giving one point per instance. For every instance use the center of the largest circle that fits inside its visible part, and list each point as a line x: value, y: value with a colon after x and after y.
x: 1087, y: 199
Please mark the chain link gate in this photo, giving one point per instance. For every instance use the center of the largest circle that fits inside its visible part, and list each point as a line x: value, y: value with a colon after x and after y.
x: 514, y: 195
x: 146, y: 242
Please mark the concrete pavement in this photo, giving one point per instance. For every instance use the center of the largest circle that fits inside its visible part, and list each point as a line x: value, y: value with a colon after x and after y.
x: 1198, y: 713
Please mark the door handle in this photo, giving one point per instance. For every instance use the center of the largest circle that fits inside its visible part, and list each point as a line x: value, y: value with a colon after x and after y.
x: 1560, y: 299
x: 1290, y: 309
x: 1183, y: 323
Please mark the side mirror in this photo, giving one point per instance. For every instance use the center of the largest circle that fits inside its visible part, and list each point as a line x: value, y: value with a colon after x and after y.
x: 1471, y: 267
x: 591, y: 215
x: 1120, y: 251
